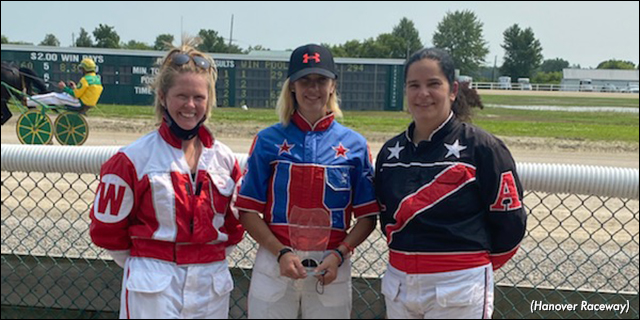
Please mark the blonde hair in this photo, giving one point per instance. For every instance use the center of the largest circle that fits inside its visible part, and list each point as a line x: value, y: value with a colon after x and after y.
x: 287, y: 103
x: 169, y: 72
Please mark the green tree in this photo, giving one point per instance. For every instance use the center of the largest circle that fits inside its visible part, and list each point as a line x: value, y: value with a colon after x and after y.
x: 385, y: 46
x: 5, y: 39
x: 337, y: 50
x: 136, y: 45
x: 84, y: 40
x: 390, y: 46
x: 24, y: 43
x: 403, y: 40
x: 258, y: 47
x: 106, y: 37
x: 233, y: 49
x: 554, y: 77
x: 371, y: 49
x: 523, y: 52
x: 211, y: 41
x: 163, y: 42
x: 351, y: 48
x: 554, y: 65
x: 616, y: 64
x: 484, y: 73
x: 50, y: 40
x: 406, y: 30
x: 460, y: 33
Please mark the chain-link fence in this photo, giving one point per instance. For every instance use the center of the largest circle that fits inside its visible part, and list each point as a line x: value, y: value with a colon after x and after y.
x: 578, y: 249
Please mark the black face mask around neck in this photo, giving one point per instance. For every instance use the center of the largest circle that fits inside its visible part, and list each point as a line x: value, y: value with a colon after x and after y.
x: 182, y: 134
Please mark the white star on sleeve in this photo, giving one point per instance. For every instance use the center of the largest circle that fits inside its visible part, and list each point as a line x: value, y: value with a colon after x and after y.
x: 395, y: 151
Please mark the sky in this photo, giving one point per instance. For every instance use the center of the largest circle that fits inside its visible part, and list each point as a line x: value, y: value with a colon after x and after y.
x: 584, y: 33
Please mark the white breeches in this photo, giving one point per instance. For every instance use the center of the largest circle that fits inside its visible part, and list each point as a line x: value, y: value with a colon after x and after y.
x: 155, y: 289
x: 272, y: 296
x: 462, y: 294
x: 53, y: 99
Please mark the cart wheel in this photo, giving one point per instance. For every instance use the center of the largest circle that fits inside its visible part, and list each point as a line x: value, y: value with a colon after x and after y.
x: 71, y: 129
x: 34, y: 128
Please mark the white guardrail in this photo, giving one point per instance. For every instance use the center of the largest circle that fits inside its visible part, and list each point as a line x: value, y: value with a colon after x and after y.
x: 551, y: 178
x: 516, y: 86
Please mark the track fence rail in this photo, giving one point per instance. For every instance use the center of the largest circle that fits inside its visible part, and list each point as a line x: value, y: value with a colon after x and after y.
x: 581, y: 246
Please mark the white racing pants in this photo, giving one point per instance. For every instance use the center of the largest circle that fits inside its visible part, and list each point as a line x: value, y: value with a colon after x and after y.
x: 155, y: 289
x: 463, y: 294
x: 54, y: 99
x: 272, y: 296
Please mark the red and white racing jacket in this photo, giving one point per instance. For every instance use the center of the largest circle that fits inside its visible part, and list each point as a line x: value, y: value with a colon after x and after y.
x: 149, y: 203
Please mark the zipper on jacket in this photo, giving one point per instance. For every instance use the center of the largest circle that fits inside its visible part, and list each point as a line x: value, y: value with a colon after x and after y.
x: 191, y: 199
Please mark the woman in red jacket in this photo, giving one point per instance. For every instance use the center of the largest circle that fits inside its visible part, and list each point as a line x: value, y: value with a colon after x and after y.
x: 163, y: 208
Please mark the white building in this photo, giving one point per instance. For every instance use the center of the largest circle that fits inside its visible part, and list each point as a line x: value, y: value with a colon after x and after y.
x: 599, y: 80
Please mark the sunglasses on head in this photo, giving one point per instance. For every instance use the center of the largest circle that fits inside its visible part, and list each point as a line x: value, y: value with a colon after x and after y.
x: 180, y: 59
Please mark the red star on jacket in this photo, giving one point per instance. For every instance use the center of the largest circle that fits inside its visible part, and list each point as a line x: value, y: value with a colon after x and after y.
x: 341, y: 151
x: 285, y: 147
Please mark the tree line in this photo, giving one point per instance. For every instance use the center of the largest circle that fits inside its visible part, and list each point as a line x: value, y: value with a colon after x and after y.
x: 459, y: 32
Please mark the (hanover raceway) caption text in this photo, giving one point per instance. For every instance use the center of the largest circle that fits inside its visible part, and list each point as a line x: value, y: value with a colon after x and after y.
x: 584, y: 306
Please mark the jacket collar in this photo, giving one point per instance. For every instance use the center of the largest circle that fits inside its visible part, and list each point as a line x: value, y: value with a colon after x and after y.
x: 204, y: 135
x: 303, y: 124
x: 440, y: 131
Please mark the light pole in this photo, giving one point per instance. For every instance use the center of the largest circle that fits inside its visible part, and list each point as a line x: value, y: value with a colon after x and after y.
x: 231, y: 32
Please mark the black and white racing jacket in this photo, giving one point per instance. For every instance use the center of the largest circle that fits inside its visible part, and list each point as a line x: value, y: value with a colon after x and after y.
x: 450, y: 203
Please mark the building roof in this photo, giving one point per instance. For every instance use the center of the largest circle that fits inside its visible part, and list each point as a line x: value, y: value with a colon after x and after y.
x: 253, y: 55
x: 600, y: 74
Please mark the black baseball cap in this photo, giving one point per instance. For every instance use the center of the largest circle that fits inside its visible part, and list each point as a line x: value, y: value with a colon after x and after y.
x: 310, y: 59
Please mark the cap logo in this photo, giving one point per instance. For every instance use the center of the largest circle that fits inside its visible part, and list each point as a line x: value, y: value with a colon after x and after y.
x: 316, y: 57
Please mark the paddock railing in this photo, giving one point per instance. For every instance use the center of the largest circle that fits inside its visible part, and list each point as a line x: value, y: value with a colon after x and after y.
x: 581, y: 245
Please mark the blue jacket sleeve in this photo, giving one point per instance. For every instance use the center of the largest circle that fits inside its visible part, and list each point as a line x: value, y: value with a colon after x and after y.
x: 253, y: 189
